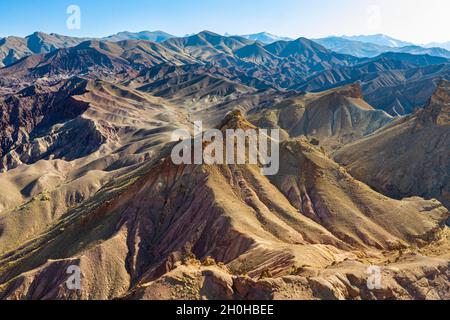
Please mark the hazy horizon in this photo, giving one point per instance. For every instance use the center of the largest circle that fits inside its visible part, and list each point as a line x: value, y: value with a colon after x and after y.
x: 413, y: 21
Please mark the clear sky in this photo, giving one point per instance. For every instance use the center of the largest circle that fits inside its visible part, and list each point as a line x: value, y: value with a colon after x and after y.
x: 418, y: 21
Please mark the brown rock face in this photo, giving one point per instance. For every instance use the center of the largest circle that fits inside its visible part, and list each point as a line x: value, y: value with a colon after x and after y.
x: 330, y: 196
x: 334, y: 118
x: 417, y: 279
x: 32, y: 111
x: 421, y: 140
x: 87, y: 182
x: 151, y: 224
x: 439, y: 106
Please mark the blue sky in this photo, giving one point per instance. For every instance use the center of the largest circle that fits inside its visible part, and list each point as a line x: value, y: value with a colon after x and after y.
x: 417, y: 21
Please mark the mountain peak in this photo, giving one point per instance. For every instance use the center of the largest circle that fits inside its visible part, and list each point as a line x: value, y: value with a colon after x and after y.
x: 295, y: 47
x: 265, y: 37
x: 235, y: 120
x: 37, y: 35
x: 353, y: 90
x: 209, y: 33
x: 155, y: 36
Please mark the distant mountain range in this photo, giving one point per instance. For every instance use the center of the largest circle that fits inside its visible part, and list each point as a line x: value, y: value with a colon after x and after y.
x: 266, y: 37
x: 359, y: 48
x: 386, y: 41
x: 379, y: 39
x: 15, y: 48
x: 281, y: 63
x: 443, y: 45
x: 155, y: 36
x: 396, y: 80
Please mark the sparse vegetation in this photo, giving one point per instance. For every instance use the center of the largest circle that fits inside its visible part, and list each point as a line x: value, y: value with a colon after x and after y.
x: 97, y: 184
x: 315, y: 142
x: 191, y: 260
x: 266, y: 273
x: 209, y: 261
x: 45, y: 197
x: 295, y: 270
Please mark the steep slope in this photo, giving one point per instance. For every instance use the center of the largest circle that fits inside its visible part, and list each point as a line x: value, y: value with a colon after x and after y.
x: 408, y: 90
x: 13, y: 49
x: 193, y: 86
x: 317, y: 57
x: 255, y: 53
x: 43, y: 120
x: 393, y: 82
x: 166, y: 71
x: 327, y: 194
x: 332, y: 118
x: 421, y: 140
x: 68, y: 155
x: 111, y: 61
x: 206, y: 45
x: 33, y: 109
x: 230, y: 213
x: 99, y: 59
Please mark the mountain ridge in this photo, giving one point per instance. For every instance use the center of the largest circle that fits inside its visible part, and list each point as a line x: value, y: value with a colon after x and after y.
x: 262, y: 233
x: 380, y: 39
x: 266, y: 37
x: 368, y: 49
x: 428, y: 129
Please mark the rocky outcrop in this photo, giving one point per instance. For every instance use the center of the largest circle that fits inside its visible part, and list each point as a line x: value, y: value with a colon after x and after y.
x: 327, y: 194
x: 421, y: 140
x: 35, y: 109
x: 148, y: 223
x: 88, y: 182
x: 419, y: 279
x: 332, y: 118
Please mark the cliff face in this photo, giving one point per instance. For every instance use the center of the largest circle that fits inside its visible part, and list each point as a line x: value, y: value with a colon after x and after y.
x: 36, y: 108
x: 421, y: 140
x: 439, y: 106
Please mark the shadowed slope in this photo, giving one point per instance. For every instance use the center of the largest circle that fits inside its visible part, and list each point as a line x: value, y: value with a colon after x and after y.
x: 394, y: 82
x: 49, y: 174
x: 142, y: 225
x: 421, y: 140
x: 333, y: 118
